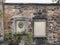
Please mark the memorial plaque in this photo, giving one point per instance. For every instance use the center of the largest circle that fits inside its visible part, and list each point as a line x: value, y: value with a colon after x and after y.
x: 20, y: 26
x: 40, y: 28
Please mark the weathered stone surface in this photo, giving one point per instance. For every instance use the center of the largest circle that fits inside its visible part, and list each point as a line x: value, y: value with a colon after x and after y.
x: 29, y: 11
x: 1, y: 22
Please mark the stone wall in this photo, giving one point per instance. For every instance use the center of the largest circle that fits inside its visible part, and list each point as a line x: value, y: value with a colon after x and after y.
x: 1, y: 22
x: 52, y: 12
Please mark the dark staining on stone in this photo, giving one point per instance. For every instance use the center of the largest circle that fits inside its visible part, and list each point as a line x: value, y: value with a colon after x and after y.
x: 20, y: 10
x: 9, y: 27
x: 50, y: 31
x: 34, y: 13
x: 38, y: 13
x: 11, y: 19
x: 44, y: 11
x: 58, y: 19
x: 54, y: 36
x: 57, y: 7
x: 52, y: 9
